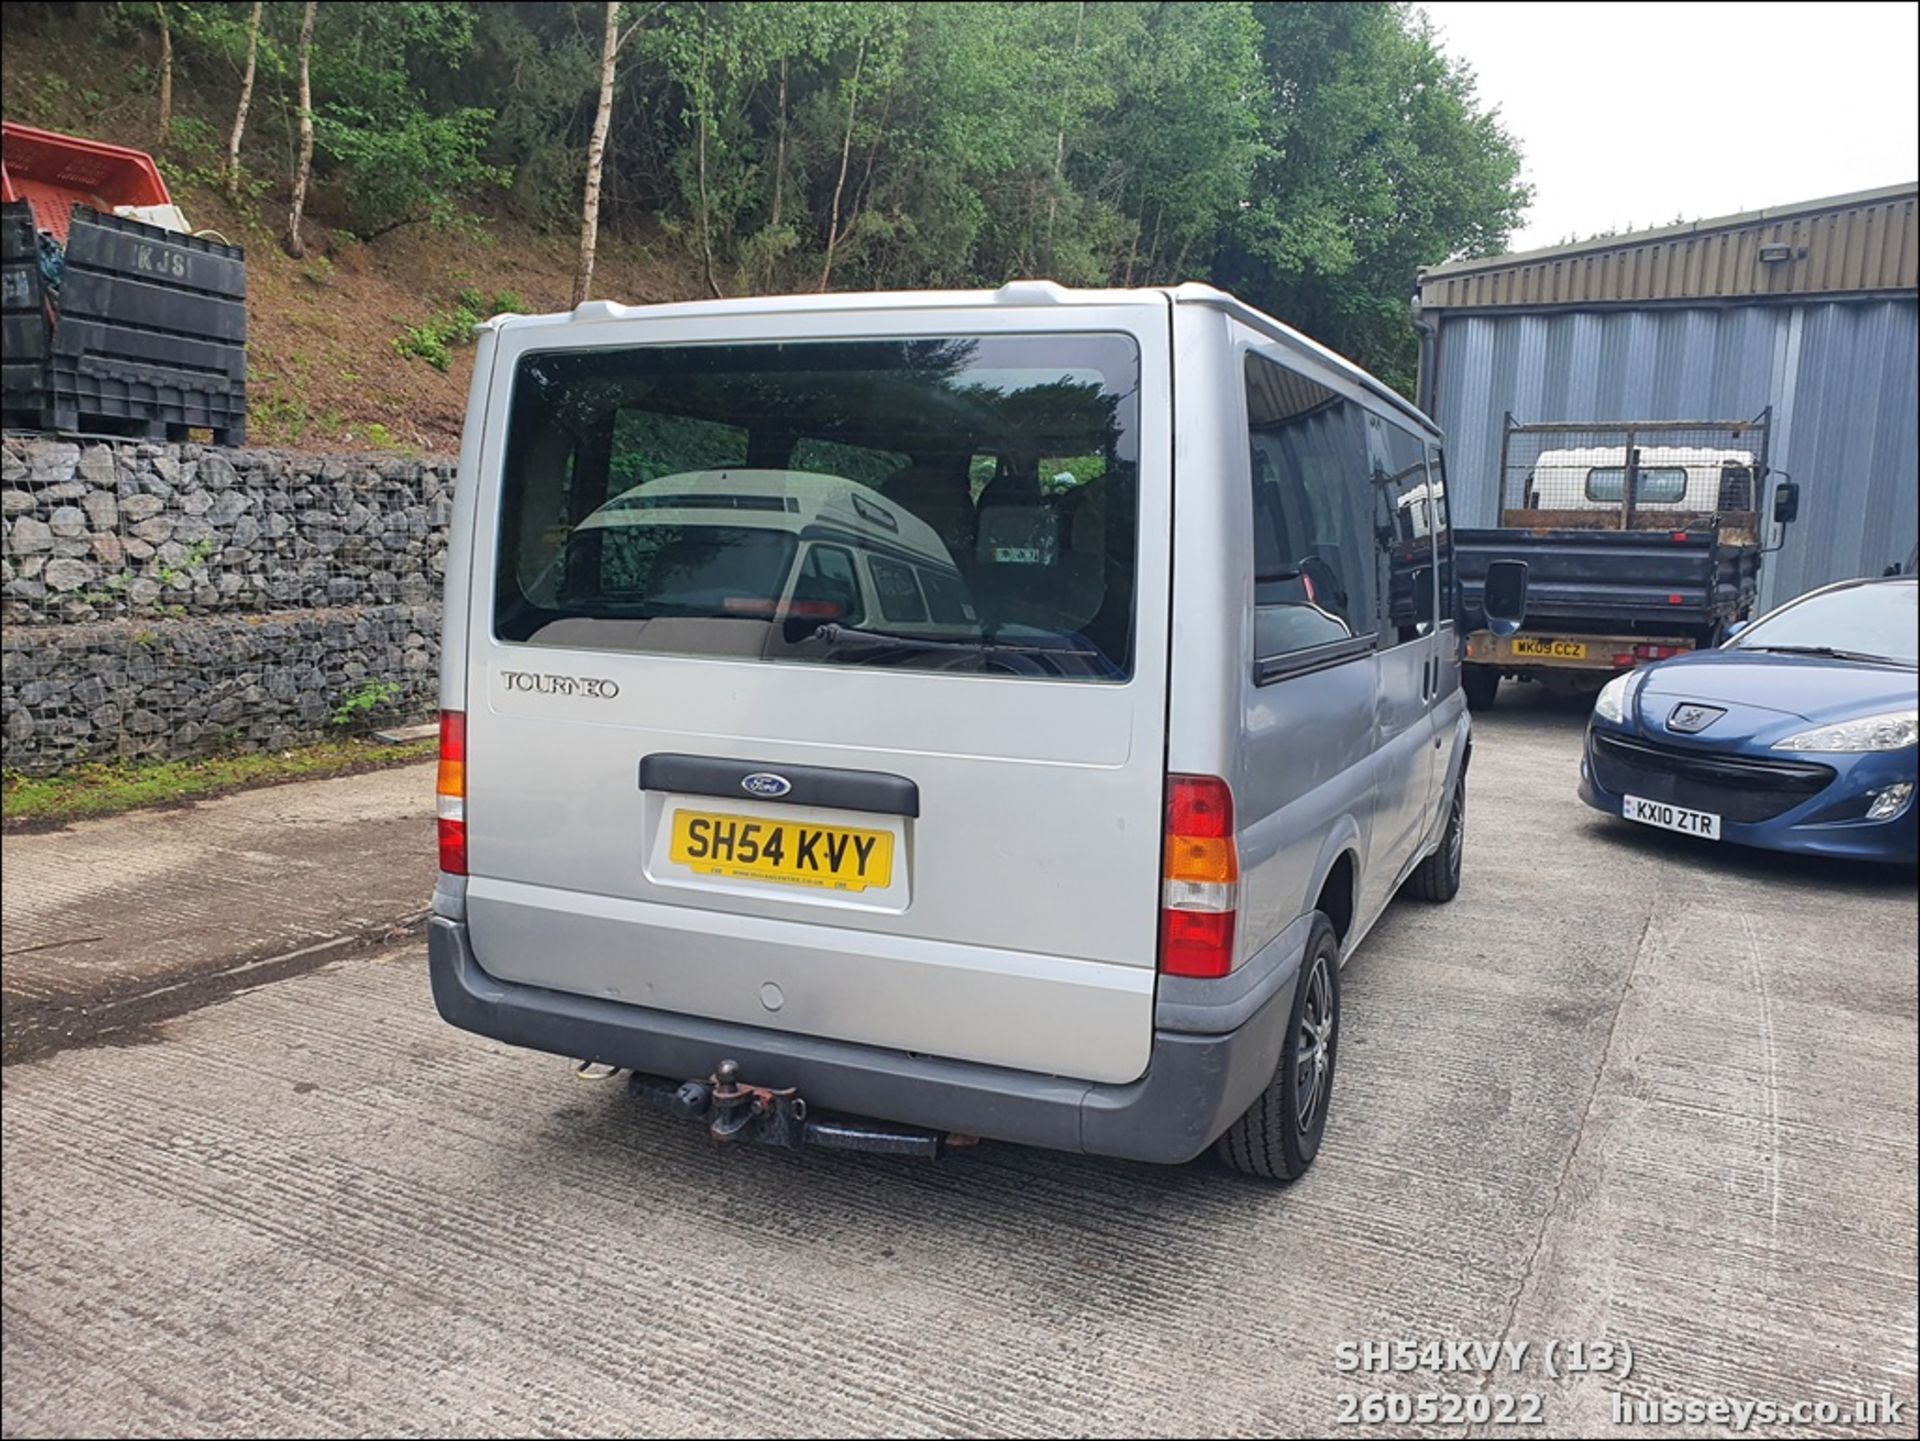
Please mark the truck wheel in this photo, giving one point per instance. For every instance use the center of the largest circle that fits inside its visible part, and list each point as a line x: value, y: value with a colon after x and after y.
x: 1482, y: 685
x: 1279, y: 1135
x: 1437, y: 878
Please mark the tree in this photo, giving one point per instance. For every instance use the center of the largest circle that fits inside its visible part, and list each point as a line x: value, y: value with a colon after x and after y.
x: 296, y: 247
x: 232, y: 167
x: 1178, y: 149
x: 1378, y: 158
x: 846, y: 152
x: 597, y: 149
x: 1060, y: 138
x: 596, y: 154
x: 166, y: 74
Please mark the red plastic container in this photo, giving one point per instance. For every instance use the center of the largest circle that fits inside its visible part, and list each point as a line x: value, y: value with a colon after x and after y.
x: 53, y: 173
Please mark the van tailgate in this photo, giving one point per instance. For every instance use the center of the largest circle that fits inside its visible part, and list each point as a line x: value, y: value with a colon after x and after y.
x: 1014, y: 921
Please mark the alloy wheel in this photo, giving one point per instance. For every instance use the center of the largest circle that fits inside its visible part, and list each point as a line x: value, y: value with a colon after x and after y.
x: 1313, y: 1053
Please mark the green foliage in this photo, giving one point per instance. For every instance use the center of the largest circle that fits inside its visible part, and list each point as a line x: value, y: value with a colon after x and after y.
x: 112, y: 788
x: 419, y: 167
x: 382, y: 438
x: 171, y: 576
x: 277, y: 413
x: 213, y: 36
x: 191, y: 141
x: 648, y: 445
x: 434, y: 338
x: 360, y: 703
x: 431, y: 341
x: 1310, y: 157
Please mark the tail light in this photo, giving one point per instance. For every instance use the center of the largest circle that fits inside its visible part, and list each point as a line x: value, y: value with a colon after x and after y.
x: 1200, y: 878
x: 451, y: 792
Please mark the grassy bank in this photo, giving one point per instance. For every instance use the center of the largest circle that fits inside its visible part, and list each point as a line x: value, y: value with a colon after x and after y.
x: 108, y: 789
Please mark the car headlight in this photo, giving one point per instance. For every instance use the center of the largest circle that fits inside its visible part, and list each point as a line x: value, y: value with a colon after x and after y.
x: 1893, y: 731
x: 1611, y: 703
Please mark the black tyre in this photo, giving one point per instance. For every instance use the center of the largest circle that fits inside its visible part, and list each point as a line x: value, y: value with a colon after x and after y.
x: 1279, y: 1135
x: 1482, y: 685
x: 1437, y: 878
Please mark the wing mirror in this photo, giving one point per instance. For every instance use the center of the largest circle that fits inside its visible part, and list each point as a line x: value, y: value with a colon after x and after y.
x: 1504, y: 597
x: 1733, y: 630
x: 1786, y: 502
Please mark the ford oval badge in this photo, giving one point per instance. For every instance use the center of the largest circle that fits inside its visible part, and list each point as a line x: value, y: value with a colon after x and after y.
x: 767, y: 784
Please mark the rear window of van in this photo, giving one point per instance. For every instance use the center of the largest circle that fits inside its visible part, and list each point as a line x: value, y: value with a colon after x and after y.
x: 1656, y: 484
x: 961, y: 503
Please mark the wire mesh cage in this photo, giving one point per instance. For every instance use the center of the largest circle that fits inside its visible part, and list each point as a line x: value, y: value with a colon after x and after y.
x: 176, y: 601
x: 1634, y: 475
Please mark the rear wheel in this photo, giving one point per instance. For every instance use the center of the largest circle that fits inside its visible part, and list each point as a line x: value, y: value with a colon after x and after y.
x: 1437, y: 878
x: 1279, y: 1135
x: 1482, y: 685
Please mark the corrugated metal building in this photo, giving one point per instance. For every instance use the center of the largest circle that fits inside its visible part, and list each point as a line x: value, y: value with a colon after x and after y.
x: 1809, y: 309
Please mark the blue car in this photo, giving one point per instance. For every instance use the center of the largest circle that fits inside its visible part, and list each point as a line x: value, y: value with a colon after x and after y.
x: 1796, y: 735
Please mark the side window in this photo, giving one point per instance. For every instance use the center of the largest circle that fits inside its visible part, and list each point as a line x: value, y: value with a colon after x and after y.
x: 899, y: 592
x: 1442, y: 533
x: 947, y: 598
x: 1313, y: 562
x: 983, y: 469
x: 1403, y: 525
x: 828, y: 586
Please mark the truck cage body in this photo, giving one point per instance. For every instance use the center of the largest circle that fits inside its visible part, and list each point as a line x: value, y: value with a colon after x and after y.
x: 1636, y: 475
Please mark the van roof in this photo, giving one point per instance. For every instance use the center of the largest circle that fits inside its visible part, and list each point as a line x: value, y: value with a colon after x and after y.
x: 1031, y: 293
x: 795, y: 500
x: 1649, y: 455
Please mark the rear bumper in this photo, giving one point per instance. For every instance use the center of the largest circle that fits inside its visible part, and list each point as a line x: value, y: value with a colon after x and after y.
x: 1569, y: 649
x: 1194, y: 1088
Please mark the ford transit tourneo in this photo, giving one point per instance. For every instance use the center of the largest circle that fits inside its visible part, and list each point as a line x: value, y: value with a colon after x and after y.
x: 885, y: 720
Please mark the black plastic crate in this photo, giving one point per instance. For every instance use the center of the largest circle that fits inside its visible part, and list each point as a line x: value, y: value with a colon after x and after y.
x: 147, y: 337
x: 23, y: 325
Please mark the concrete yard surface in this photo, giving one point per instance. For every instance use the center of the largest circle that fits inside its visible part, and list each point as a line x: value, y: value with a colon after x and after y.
x: 110, y: 923
x: 1628, y: 1088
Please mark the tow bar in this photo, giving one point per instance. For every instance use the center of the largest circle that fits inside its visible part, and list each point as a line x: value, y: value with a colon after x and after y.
x: 736, y: 1111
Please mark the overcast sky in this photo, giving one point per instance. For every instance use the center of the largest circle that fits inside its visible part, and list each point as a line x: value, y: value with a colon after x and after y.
x: 1633, y: 114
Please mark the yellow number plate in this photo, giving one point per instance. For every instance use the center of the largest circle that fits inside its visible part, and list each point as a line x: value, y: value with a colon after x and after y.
x: 795, y: 853
x: 1527, y: 645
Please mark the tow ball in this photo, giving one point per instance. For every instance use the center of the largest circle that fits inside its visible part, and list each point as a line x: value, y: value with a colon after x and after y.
x: 733, y: 1111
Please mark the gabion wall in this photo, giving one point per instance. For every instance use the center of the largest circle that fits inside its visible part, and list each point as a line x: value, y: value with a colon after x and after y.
x: 176, y: 600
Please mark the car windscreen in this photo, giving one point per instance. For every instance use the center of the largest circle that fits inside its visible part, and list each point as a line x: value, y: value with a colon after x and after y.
x: 1877, y: 621
x: 957, y: 503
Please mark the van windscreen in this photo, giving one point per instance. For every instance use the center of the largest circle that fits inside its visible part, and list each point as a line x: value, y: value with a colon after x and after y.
x: 963, y: 503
